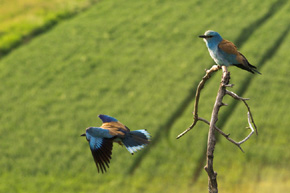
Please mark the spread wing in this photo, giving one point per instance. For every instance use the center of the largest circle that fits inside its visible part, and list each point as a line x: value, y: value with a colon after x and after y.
x: 228, y: 47
x: 101, y: 150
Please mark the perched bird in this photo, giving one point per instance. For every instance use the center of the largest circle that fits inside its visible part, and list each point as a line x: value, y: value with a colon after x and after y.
x: 225, y: 53
x: 101, y: 140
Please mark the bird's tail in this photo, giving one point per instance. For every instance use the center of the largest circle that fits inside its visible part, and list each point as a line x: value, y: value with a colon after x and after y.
x: 247, y: 66
x: 255, y: 70
x: 136, y: 140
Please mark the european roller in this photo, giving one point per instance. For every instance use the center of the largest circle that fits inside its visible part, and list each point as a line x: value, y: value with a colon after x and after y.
x: 225, y: 53
x: 101, y: 140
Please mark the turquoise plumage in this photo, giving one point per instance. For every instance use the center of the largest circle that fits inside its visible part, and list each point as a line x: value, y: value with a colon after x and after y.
x: 225, y: 53
x: 101, y: 140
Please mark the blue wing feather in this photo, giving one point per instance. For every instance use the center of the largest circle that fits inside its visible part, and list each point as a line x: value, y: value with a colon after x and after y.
x: 98, y: 132
x: 107, y: 118
x: 96, y: 143
x: 101, y: 149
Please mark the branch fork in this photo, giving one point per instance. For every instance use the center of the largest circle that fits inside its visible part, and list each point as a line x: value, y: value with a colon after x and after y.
x: 212, y: 181
x: 196, y: 118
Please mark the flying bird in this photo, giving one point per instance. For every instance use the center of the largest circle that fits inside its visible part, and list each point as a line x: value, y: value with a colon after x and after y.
x: 225, y: 53
x: 101, y: 140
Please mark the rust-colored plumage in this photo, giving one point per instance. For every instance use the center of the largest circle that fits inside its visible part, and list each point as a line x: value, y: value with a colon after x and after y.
x: 115, y: 128
x: 228, y: 47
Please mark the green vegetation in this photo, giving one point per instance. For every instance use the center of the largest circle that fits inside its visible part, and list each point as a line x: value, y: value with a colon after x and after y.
x: 140, y: 61
x: 20, y: 20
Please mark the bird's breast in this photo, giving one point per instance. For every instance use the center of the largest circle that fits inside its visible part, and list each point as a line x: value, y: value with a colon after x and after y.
x: 214, y: 55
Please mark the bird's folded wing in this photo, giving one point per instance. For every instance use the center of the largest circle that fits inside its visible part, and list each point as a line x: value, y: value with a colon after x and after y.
x: 102, y: 150
x: 115, y: 128
x: 228, y: 47
x: 241, y: 59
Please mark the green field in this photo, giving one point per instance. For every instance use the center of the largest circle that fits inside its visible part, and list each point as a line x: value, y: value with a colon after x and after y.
x: 21, y: 20
x: 140, y: 61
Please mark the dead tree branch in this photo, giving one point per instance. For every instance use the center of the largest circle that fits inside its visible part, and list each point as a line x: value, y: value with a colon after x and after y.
x: 197, y: 95
x: 212, y: 181
x: 196, y: 118
x: 211, y: 141
x: 251, y: 127
x: 235, y: 96
x: 225, y: 135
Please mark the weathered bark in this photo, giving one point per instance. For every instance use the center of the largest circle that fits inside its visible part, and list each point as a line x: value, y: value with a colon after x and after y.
x: 212, y: 175
x: 212, y: 182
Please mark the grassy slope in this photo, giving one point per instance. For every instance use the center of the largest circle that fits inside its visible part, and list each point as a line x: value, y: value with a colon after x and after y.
x: 21, y: 19
x: 137, y: 62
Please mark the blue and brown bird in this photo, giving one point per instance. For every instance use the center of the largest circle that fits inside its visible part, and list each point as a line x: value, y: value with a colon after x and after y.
x: 101, y: 140
x: 225, y: 53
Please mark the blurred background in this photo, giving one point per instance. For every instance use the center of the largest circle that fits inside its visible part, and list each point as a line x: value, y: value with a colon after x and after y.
x: 63, y: 62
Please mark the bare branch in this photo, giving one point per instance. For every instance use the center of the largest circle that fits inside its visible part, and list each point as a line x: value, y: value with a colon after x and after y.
x: 197, y: 96
x: 235, y: 96
x: 212, y: 175
x: 223, y: 134
x: 230, y: 93
x: 211, y: 141
x: 251, y: 116
x: 251, y: 127
x: 238, y: 144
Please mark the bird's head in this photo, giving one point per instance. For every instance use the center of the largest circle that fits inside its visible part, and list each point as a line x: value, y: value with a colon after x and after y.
x: 211, y: 36
x: 91, y: 131
x: 87, y: 131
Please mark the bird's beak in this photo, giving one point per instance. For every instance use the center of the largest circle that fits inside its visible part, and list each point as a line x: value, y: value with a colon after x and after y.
x: 83, y: 134
x: 202, y: 36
